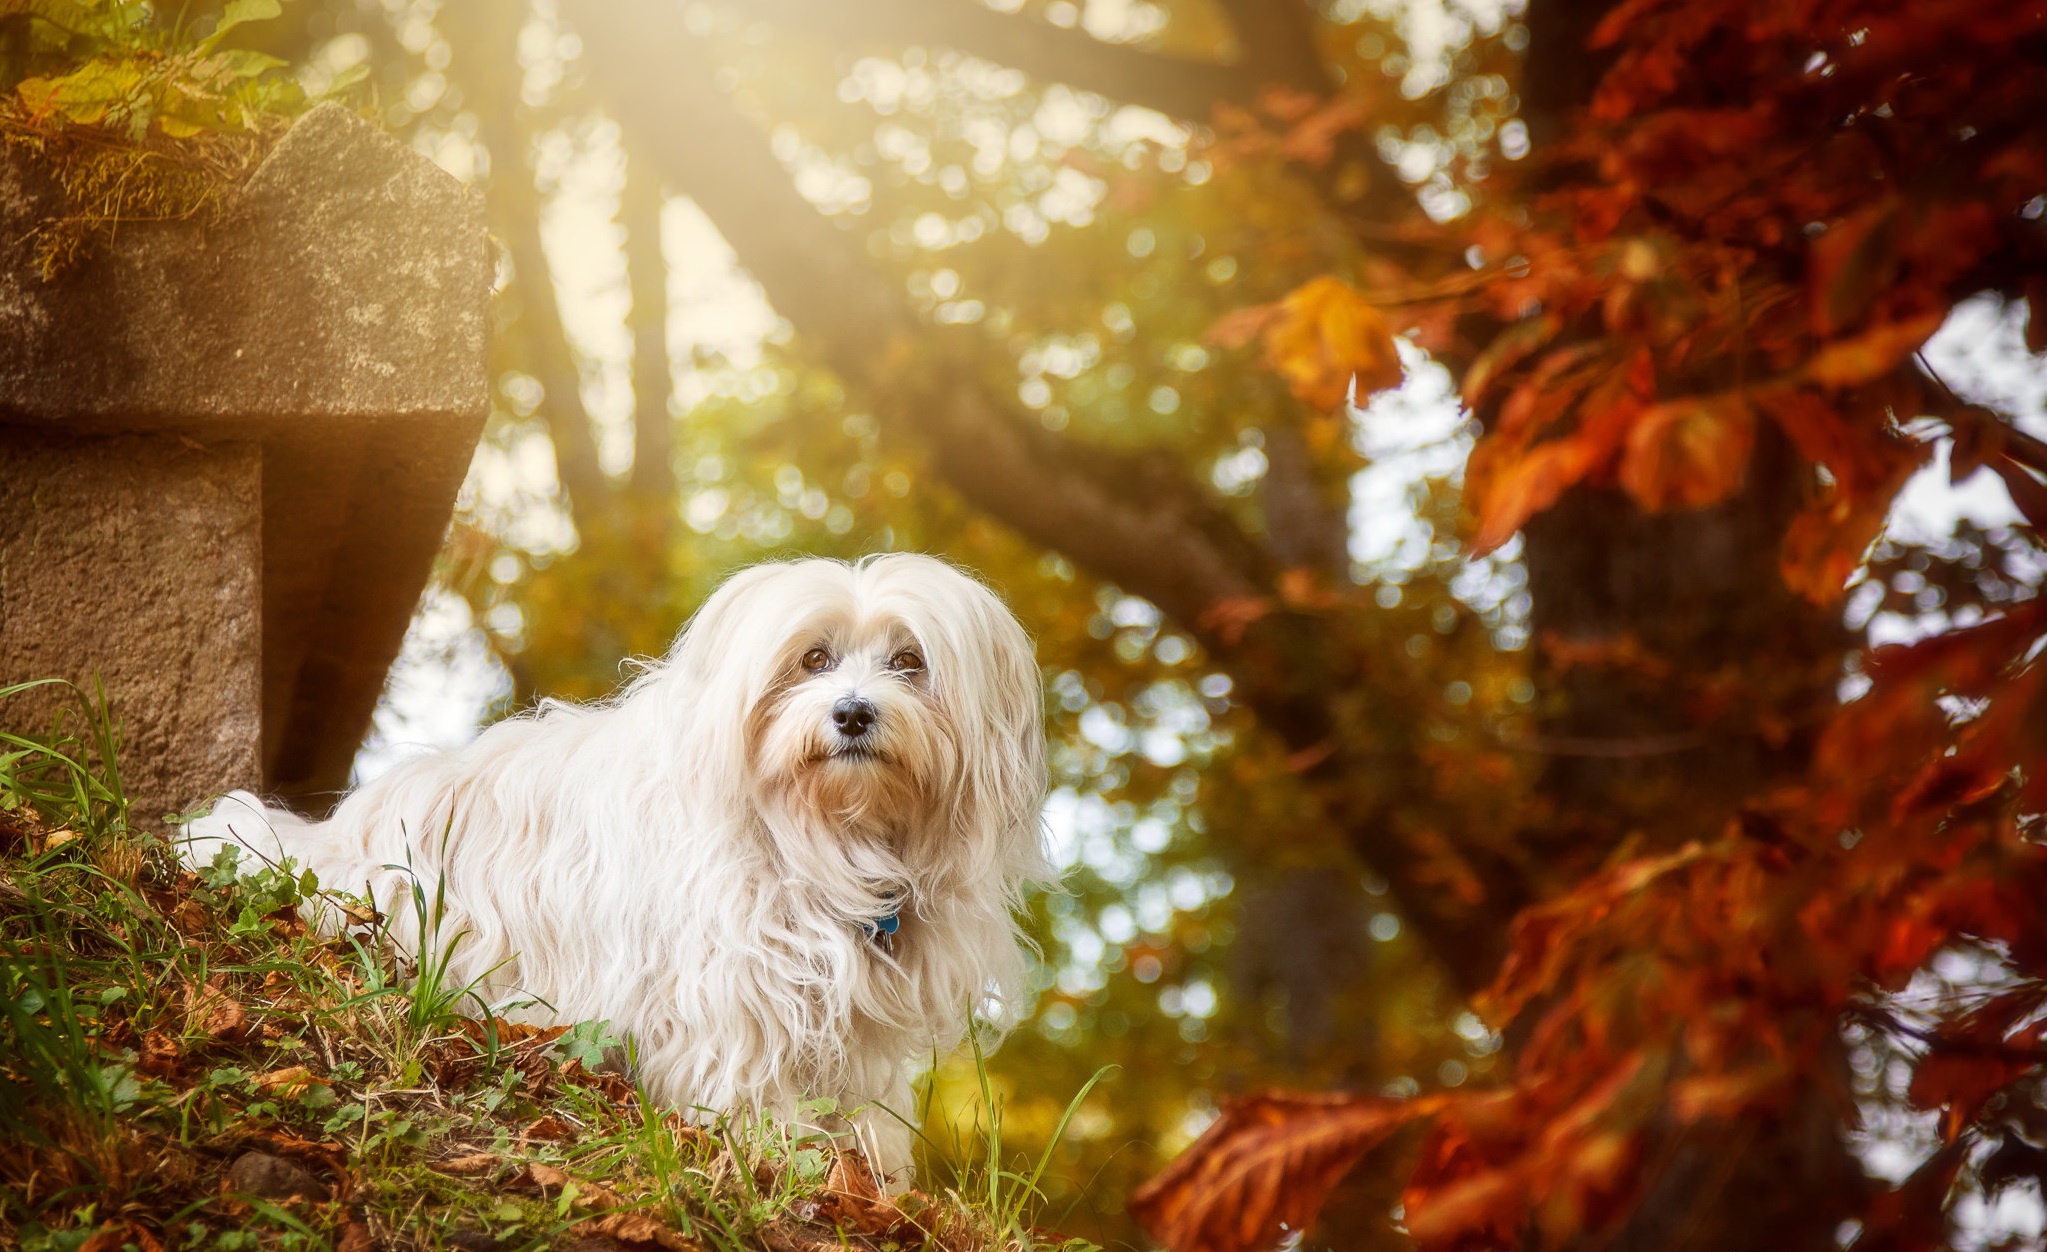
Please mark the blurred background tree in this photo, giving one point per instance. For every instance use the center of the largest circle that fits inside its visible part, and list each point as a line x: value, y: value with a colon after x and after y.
x: 1101, y: 300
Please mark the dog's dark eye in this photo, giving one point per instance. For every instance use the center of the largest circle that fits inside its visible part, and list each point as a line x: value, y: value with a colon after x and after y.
x: 817, y: 659
x: 906, y: 662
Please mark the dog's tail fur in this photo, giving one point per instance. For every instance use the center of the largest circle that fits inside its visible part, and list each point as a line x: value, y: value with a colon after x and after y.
x: 265, y: 835
x: 261, y: 834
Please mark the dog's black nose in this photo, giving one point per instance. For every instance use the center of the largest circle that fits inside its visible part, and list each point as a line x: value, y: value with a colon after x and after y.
x: 853, y: 716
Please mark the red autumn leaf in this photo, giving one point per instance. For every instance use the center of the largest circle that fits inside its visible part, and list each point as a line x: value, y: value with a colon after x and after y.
x: 160, y: 1054
x: 1976, y: 437
x: 1230, y: 618
x: 1727, y: 1094
x: 1852, y: 455
x: 1851, y: 265
x: 1976, y: 1056
x: 1507, y: 350
x: 1265, y: 1168
x: 1689, y: 453
x: 549, y: 1127
x: 1913, y: 1215
x: 2028, y: 493
x: 1510, y: 486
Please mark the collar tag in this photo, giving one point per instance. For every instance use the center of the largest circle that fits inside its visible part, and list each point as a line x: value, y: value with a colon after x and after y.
x: 883, y: 929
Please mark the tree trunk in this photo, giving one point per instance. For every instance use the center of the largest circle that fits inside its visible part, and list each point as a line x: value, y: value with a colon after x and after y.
x: 1678, y: 675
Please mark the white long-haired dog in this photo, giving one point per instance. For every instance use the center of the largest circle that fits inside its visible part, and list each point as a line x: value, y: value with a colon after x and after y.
x: 784, y: 860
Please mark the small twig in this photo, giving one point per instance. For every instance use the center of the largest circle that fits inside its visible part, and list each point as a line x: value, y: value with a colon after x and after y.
x: 326, y: 1049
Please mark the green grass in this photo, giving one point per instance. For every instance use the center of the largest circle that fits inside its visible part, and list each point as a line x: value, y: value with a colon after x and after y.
x: 158, y: 1023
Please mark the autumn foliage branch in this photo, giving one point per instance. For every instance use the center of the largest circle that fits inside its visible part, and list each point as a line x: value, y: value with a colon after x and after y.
x: 1724, y: 266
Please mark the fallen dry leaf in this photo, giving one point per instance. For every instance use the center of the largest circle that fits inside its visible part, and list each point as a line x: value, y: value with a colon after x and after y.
x: 469, y: 1166
x: 784, y: 1237
x: 160, y: 1054
x: 288, y: 1082
x: 190, y: 918
x: 210, y: 1011
x: 636, y: 1228
x: 551, y: 1128
x: 355, y: 1237
x: 550, y: 1181
x: 114, y: 1235
x: 853, y: 1199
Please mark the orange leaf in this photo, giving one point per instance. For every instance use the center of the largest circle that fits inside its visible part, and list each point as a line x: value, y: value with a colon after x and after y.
x: 1326, y: 335
x: 1690, y: 453
x: 1487, y: 1203
x: 1265, y: 1168
x: 288, y: 1082
x: 112, y: 1238
x: 1508, y: 489
x: 1825, y: 543
x: 1871, y: 354
x: 1725, y: 1095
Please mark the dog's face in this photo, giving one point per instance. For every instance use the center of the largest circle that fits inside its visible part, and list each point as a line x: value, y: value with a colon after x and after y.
x: 853, y: 730
x: 879, y: 701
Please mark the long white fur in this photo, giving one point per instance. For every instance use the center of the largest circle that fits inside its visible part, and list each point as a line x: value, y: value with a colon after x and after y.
x: 686, y: 861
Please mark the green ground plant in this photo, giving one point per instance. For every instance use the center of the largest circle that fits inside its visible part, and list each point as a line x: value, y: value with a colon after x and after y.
x: 184, y: 1063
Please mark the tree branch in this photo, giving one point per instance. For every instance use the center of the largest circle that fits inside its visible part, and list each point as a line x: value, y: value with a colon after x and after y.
x: 493, y: 76
x: 1125, y: 518
x: 1278, y: 42
x: 539, y: 320
x: 1180, y: 87
x: 639, y: 210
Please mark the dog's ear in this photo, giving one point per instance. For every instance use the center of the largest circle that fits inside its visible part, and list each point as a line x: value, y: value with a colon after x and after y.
x: 711, y: 641
x: 983, y: 670
x: 707, y: 685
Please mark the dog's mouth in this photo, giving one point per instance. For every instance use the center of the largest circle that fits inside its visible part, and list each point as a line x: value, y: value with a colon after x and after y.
x: 853, y: 754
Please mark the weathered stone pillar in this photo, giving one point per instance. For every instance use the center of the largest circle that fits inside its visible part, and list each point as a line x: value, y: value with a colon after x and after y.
x: 228, y: 452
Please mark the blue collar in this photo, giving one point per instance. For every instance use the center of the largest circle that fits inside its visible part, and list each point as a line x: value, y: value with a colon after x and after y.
x: 882, y: 927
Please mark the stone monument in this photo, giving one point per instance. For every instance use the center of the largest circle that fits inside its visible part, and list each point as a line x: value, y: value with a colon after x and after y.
x: 228, y: 453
